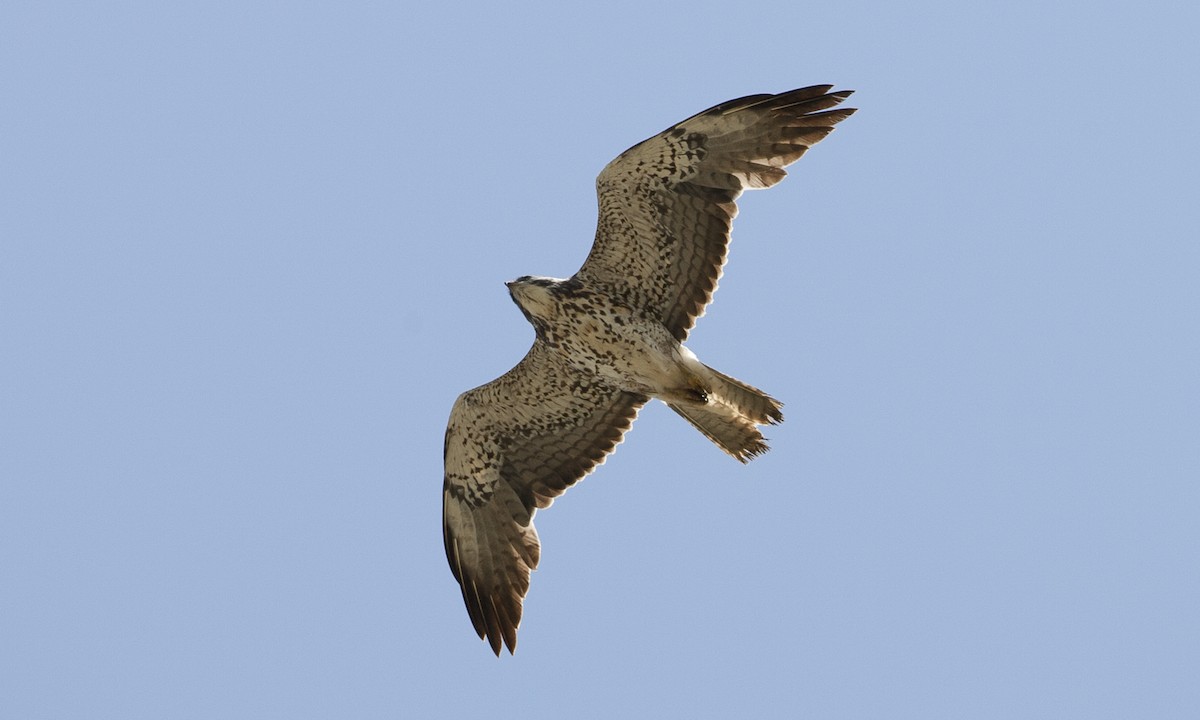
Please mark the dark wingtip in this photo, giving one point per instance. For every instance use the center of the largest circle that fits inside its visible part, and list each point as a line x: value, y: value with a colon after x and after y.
x: 497, y: 644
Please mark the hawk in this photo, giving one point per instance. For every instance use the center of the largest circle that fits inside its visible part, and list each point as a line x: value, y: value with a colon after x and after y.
x: 610, y: 338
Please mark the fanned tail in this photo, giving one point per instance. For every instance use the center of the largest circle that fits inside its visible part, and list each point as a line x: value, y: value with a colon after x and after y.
x: 731, y: 414
x: 749, y: 401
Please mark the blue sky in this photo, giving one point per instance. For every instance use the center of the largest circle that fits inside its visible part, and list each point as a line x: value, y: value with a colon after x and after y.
x: 251, y: 252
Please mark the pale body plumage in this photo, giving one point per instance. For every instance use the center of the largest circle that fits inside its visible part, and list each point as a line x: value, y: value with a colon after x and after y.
x: 611, y: 337
x: 599, y: 335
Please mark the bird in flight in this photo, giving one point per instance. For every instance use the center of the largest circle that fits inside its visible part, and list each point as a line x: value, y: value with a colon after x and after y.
x: 610, y: 338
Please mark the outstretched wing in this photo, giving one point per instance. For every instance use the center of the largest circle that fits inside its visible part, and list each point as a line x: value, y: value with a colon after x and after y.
x: 667, y: 204
x: 512, y: 446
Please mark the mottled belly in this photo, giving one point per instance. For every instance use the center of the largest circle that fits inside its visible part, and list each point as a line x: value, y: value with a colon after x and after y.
x: 632, y: 353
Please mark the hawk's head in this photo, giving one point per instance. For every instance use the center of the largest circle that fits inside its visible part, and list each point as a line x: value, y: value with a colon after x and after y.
x: 535, y: 296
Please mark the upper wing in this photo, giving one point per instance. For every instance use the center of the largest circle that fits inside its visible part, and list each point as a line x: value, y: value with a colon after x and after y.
x: 512, y: 446
x: 667, y: 204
